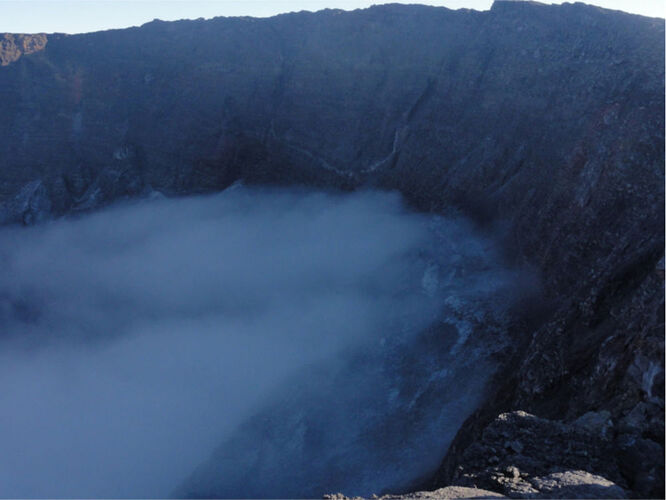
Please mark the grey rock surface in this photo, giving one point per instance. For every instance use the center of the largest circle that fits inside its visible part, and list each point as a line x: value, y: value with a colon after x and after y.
x: 446, y: 493
x: 576, y: 484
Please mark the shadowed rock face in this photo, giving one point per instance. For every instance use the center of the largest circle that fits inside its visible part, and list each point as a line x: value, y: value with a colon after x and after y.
x: 528, y: 457
x: 545, y: 120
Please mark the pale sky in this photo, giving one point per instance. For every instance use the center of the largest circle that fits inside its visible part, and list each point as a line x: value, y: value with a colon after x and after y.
x: 79, y: 16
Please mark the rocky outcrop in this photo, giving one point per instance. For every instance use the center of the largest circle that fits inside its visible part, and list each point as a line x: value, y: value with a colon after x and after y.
x: 575, y: 484
x: 447, y: 493
x: 567, y: 484
x: 12, y: 46
x: 524, y: 456
x: 543, y: 123
x: 601, y: 354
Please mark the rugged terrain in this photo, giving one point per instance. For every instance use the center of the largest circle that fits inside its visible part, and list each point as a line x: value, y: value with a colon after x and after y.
x: 544, y: 124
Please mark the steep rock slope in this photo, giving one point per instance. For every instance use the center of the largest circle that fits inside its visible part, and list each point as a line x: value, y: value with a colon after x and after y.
x: 545, y: 120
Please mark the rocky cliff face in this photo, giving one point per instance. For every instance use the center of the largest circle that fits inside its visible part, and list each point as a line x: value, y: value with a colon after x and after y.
x: 546, y: 121
x: 12, y: 47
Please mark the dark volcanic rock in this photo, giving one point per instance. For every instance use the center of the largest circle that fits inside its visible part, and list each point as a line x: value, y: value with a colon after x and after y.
x: 31, y: 205
x: 524, y: 456
x: 545, y: 120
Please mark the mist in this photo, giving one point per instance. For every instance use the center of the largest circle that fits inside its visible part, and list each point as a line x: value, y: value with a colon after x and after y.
x: 157, y: 347
x: 379, y: 416
x: 134, y: 340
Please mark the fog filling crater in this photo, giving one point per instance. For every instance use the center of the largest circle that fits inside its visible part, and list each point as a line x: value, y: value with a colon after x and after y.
x: 138, y: 339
